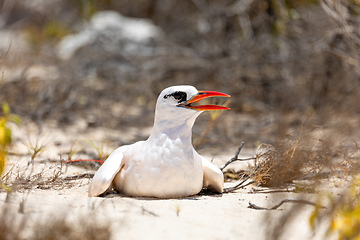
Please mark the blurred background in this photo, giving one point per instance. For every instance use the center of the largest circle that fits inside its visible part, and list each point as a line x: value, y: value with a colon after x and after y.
x: 286, y: 63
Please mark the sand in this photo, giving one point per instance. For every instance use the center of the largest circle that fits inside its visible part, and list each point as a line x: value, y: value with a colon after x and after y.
x: 223, y: 216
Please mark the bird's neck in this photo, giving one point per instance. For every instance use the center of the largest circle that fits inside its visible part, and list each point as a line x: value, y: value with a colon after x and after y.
x: 173, y: 130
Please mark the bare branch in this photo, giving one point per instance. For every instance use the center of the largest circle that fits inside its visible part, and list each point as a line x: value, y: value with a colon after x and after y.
x: 240, y: 185
x: 235, y: 158
x: 299, y: 201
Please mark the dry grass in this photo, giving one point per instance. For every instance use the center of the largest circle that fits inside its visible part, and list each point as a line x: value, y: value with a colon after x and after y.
x: 304, y: 156
x: 84, y: 227
x: 290, y: 160
x: 10, y: 228
x: 48, y: 178
x: 276, y: 61
x: 300, y: 157
x: 341, y: 219
x: 343, y: 212
x: 14, y: 226
x: 306, y: 165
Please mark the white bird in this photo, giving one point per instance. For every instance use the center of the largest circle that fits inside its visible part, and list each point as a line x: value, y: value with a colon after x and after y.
x: 165, y: 165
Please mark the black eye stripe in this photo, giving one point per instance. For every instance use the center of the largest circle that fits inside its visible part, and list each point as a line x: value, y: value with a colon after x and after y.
x: 178, y: 95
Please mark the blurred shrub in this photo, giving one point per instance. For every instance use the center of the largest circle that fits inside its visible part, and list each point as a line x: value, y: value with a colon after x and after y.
x: 16, y: 226
x: 5, y: 133
x: 343, y: 212
x: 87, y: 8
x: 299, y: 156
x: 283, y: 56
x: 50, y: 32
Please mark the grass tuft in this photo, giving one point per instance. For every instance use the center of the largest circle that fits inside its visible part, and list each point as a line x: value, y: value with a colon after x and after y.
x: 300, y: 156
x: 56, y: 227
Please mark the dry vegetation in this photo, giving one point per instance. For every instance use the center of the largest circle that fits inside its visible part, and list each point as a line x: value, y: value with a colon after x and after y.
x: 341, y: 160
x: 56, y: 227
x: 269, y: 55
x: 300, y: 158
x: 291, y: 67
x: 49, y: 178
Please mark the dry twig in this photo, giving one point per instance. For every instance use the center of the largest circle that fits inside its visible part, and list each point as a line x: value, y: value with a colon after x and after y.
x: 242, y: 183
x: 299, y: 201
x: 236, y: 157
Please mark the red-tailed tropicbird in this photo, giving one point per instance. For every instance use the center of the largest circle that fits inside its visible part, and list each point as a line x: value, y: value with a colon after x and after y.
x: 165, y: 165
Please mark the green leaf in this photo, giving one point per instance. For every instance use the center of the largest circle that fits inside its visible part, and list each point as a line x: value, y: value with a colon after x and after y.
x: 6, y: 108
x: 15, y: 119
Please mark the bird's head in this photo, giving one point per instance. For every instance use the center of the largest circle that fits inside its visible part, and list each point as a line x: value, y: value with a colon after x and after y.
x: 176, y: 103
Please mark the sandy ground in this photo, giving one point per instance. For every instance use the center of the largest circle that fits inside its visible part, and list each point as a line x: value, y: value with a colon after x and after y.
x: 225, y: 216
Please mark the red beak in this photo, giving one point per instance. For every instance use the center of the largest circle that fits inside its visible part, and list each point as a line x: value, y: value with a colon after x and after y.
x: 206, y: 94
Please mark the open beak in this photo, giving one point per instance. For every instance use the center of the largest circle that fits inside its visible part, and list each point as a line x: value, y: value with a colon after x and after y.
x: 205, y: 94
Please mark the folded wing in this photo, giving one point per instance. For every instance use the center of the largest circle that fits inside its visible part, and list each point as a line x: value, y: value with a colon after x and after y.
x: 104, y: 176
x: 213, y: 176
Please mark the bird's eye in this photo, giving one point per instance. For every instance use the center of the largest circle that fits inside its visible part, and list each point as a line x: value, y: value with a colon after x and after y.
x: 181, y: 96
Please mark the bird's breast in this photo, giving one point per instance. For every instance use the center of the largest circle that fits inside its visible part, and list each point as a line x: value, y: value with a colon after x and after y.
x: 160, y: 169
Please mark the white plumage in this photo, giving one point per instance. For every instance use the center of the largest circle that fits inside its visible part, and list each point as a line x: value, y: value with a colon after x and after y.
x: 166, y: 164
